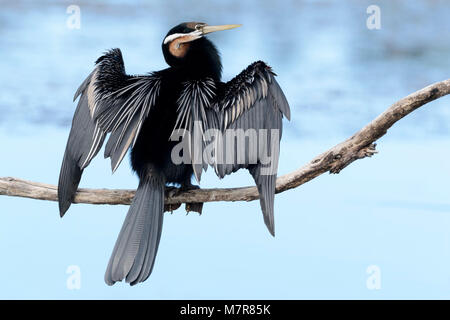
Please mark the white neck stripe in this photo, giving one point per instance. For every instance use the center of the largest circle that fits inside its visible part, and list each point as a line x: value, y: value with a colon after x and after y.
x: 197, y: 34
x: 173, y: 37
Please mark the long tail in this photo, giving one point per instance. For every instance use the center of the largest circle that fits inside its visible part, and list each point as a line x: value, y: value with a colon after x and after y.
x: 134, y: 253
x: 266, y: 189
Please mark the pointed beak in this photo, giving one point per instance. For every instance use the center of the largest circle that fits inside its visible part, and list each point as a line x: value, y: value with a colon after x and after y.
x: 198, y: 33
x: 208, y: 29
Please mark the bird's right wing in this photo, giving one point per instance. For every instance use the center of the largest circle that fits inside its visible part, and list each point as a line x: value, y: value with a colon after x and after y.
x: 110, y: 102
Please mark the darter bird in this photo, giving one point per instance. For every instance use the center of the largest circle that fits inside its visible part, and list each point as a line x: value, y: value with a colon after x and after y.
x: 142, y: 113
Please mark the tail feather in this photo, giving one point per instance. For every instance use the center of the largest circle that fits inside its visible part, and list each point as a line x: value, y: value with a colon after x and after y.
x: 143, y: 267
x: 266, y: 189
x: 69, y: 179
x: 135, y: 250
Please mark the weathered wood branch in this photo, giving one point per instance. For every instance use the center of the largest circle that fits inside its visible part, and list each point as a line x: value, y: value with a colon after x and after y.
x: 358, y: 146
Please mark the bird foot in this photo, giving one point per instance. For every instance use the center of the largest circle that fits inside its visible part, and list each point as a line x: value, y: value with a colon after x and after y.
x: 188, y: 187
x: 171, y: 207
x: 174, y: 191
x: 195, y: 206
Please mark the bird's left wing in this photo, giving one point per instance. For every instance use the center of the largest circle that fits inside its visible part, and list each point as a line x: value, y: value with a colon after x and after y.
x: 251, y: 103
x: 249, y: 111
x: 110, y: 102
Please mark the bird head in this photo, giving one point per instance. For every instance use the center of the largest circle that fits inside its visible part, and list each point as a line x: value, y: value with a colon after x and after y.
x: 186, y: 40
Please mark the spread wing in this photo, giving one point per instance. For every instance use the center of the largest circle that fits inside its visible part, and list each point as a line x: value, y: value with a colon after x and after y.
x: 249, y: 111
x: 251, y: 103
x: 110, y: 102
x: 235, y: 125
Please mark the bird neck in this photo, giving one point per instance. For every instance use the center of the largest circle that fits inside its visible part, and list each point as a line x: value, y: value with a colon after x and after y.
x: 203, y: 68
x: 204, y: 60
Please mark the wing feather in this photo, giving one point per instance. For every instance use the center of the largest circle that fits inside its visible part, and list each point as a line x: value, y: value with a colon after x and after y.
x: 195, y: 117
x: 252, y: 104
x: 252, y: 100
x: 110, y: 101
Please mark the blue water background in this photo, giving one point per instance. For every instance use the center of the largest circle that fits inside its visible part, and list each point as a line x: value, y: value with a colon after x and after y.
x: 392, y: 210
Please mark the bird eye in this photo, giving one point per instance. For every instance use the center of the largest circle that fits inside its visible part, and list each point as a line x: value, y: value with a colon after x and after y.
x: 199, y: 26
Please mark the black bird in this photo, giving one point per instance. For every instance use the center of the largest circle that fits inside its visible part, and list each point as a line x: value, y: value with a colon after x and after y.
x: 144, y: 112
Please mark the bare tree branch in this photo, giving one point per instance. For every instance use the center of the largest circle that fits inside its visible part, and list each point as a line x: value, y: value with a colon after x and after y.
x: 358, y: 146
